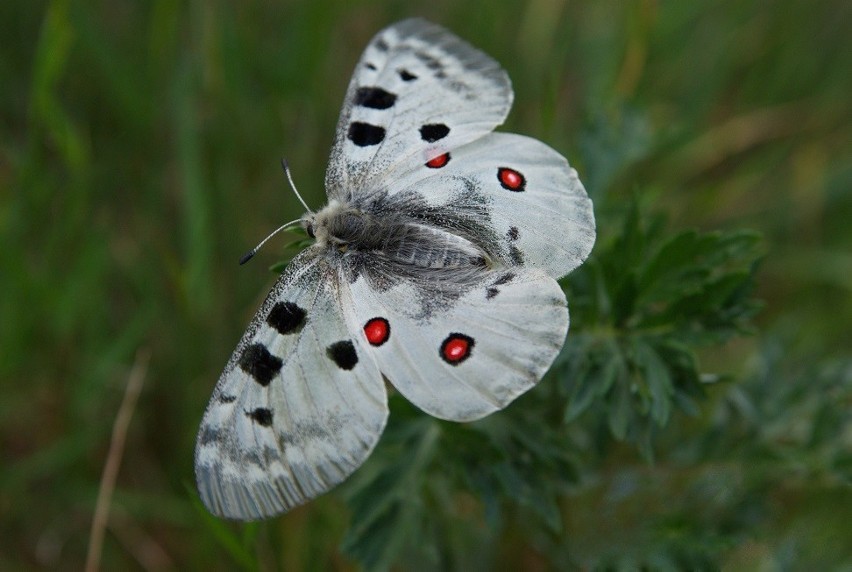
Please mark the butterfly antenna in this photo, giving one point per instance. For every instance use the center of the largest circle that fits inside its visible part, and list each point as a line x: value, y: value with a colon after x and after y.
x: 286, y: 168
x: 250, y: 254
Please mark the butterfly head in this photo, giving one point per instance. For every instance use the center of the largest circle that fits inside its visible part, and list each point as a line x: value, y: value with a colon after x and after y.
x: 341, y: 226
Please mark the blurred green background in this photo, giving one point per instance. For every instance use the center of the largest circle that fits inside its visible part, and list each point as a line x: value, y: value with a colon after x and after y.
x: 139, y: 151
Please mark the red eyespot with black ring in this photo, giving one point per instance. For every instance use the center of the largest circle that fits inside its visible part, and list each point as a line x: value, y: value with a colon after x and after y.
x: 439, y: 161
x: 377, y: 331
x: 456, y: 348
x: 511, y: 179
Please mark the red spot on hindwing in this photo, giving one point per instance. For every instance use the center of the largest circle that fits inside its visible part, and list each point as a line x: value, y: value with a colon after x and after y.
x: 377, y: 331
x: 439, y: 161
x: 456, y: 348
x: 511, y: 179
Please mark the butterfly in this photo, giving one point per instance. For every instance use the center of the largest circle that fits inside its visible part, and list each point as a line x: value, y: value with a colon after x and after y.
x: 433, y: 266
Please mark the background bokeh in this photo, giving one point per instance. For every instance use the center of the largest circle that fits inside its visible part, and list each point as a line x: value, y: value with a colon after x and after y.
x: 139, y: 149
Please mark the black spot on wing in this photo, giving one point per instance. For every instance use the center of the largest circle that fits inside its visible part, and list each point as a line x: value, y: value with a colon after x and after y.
x: 374, y: 98
x: 429, y: 61
x: 513, y: 233
x: 381, y: 45
x: 491, y: 292
x: 516, y: 255
x: 262, y: 416
x: 462, y: 89
x: 286, y: 317
x: 260, y: 364
x: 433, y: 132
x: 225, y: 399
x: 343, y: 354
x: 365, y: 134
x: 406, y: 75
x: 505, y: 279
x: 370, y: 66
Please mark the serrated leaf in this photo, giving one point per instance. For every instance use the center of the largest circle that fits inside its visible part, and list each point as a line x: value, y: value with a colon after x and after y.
x: 582, y: 394
x: 670, y: 260
x: 376, y: 544
x: 613, y: 368
x: 658, y: 380
x: 737, y: 246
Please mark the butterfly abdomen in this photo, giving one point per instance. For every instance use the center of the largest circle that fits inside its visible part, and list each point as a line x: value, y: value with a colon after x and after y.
x: 421, y: 246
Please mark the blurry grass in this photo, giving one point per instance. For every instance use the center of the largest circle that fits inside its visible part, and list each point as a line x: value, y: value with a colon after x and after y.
x: 139, y: 155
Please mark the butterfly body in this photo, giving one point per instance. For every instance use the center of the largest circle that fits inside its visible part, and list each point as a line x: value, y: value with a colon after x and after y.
x: 434, y: 267
x: 391, y: 236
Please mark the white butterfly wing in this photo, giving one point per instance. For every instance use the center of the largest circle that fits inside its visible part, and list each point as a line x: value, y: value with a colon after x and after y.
x: 417, y: 92
x: 460, y: 356
x: 299, y: 406
x: 536, y: 205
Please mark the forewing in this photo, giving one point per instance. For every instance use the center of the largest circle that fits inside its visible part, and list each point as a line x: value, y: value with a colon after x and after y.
x: 299, y: 406
x: 417, y: 92
x: 463, y: 355
x: 536, y: 206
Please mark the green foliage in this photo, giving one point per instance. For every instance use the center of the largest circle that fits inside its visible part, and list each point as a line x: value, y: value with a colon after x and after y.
x: 644, y: 303
x: 431, y: 484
